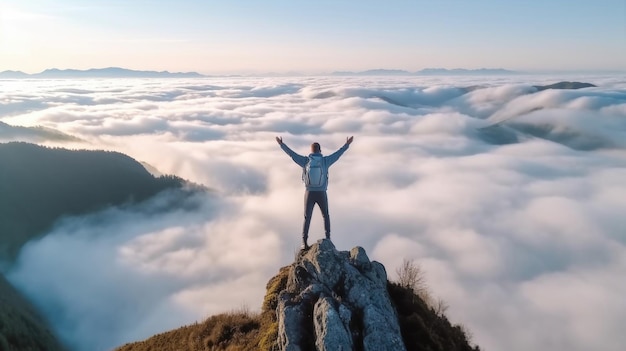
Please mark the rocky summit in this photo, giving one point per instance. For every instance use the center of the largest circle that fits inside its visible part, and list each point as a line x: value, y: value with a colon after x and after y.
x: 325, y: 300
x: 336, y: 300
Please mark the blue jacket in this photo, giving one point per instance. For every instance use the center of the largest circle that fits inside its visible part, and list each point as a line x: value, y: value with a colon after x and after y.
x: 328, y: 161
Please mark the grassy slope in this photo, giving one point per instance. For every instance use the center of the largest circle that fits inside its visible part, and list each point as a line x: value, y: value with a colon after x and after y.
x: 230, y: 331
x: 422, y: 328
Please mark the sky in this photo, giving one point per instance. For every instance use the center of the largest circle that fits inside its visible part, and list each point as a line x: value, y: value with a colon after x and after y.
x: 254, y: 37
x: 519, y: 228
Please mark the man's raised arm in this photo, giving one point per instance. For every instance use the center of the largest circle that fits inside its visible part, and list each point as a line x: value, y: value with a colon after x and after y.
x: 332, y: 158
x: 299, y: 159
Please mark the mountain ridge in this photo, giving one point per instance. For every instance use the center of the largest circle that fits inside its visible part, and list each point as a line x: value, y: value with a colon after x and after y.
x: 108, y: 72
x: 119, y: 72
x: 40, y: 184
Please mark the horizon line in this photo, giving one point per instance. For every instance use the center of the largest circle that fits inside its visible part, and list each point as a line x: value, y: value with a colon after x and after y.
x: 428, y: 71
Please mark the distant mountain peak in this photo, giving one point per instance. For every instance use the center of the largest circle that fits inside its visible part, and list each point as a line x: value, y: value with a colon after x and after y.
x: 108, y: 72
x: 13, y: 74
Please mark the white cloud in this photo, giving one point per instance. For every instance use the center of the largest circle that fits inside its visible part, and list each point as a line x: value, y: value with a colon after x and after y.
x: 508, y: 235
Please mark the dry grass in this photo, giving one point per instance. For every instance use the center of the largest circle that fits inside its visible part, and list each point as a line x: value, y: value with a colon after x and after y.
x: 234, y: 331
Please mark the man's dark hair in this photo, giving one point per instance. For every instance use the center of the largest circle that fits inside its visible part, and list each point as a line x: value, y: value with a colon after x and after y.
x: 315, y: 147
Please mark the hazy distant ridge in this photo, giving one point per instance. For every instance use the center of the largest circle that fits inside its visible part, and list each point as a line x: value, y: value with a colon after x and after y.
x: 117, y: 72
x: 110, y: 72
x: 426, y: 71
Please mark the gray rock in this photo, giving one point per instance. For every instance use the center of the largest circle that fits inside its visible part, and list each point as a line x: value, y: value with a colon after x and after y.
x: 358, y: 257
x: 331, y: 334
x: 291, y: 318
x: 335, y: 300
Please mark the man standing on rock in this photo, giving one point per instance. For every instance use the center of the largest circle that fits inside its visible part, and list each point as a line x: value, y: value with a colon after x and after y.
x: 315, y: 177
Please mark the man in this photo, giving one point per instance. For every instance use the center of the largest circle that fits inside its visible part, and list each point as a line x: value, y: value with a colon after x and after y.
x: 315, y: 177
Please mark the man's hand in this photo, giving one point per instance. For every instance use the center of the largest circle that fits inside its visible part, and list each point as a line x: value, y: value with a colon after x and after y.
x: 279, y: 140
x: 349, y: 140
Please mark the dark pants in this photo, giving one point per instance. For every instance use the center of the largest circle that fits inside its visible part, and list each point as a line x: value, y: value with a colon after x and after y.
x: 310, y: 199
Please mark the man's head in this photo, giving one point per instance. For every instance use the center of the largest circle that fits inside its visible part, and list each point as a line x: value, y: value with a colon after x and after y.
x: 315, y: 147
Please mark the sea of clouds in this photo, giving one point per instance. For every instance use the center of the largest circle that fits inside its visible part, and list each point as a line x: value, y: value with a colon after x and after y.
x: 512, y: 200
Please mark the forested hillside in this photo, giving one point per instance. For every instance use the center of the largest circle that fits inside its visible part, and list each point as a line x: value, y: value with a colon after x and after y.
x: 21, y: 326
x: 38, y: 185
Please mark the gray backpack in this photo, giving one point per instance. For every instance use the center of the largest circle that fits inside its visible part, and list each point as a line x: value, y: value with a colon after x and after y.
x: 314, y: 173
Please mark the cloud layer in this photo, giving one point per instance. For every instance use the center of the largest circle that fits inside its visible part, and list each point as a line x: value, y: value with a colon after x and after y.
x: 519, y: 227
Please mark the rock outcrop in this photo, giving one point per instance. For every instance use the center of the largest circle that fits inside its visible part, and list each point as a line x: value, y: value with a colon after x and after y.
x: 325, y: 300
x: 336, y: 300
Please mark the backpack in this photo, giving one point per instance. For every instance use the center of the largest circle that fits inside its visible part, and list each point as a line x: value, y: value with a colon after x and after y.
x: 314, y: 173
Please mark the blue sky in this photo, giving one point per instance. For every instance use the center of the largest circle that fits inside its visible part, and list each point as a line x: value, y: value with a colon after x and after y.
x: 313, y: 36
